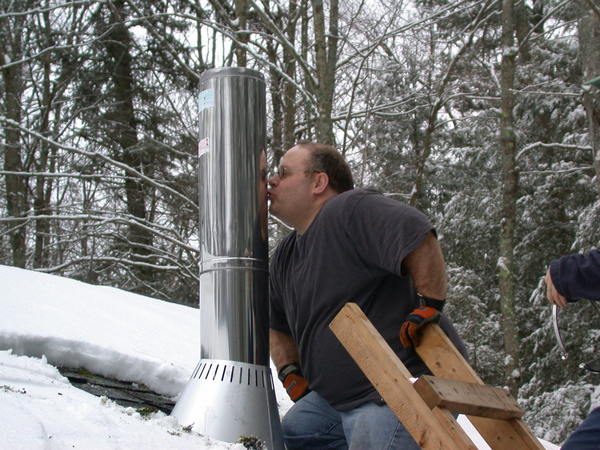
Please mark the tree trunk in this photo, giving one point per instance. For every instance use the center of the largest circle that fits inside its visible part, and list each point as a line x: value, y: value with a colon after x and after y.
x: 241, y: 12
x: 118, y: 45
x: 43, y: 186
x: 276, y: 82
x: 506, y: 272
x: 289, y: 89
x: 326, y: 60
x: 305, y: 45
x: 11, y: 49
x: 589, y: 36
x: 417, y: 196
x: 522, y: 29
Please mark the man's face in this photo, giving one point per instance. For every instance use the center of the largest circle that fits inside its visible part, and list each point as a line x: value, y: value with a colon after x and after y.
x: 290, y: 191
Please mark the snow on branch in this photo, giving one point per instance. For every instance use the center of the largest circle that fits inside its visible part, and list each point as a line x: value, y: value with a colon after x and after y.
x: 552, y: 145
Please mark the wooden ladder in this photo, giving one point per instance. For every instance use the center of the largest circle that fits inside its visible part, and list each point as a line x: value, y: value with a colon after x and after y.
x: 426, y: 407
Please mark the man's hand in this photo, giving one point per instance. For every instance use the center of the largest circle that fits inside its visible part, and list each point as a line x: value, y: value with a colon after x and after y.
x: 410, y: 332
x: 293, y: 382
x: 551, y: 292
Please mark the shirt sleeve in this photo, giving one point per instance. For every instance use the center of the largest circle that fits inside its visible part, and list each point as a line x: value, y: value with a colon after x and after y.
x: 577, y: 276
x: 385, y: 230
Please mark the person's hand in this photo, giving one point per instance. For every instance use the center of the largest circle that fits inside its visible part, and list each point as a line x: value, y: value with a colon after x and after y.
x: 551, y: 292
x: 294, y: 383
x: 410, y: 332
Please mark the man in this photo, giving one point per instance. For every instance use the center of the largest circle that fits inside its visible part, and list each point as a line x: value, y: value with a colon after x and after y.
x: 569, y: 279
x: 347, y: 245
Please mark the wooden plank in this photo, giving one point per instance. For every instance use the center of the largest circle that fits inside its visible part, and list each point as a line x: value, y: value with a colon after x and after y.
x: 447, y: 422
x: 467, y: 398
x: 392, y: 380
x: 444, y: 361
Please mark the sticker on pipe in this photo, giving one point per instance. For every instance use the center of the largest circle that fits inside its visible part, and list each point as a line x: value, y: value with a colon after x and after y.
x: 203, y: 146
x: 206, y: 99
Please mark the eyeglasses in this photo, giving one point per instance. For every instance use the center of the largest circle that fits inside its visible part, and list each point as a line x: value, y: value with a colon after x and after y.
x: 283, y: 171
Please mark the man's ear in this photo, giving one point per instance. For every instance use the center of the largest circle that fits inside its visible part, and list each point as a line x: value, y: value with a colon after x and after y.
x: 321, y: 182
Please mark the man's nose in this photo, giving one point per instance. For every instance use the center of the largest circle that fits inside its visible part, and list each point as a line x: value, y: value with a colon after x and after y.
x: 272, y: 181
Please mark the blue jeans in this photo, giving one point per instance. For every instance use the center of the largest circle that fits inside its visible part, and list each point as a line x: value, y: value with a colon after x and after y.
x: 587, y: 435
x: 313, y: 424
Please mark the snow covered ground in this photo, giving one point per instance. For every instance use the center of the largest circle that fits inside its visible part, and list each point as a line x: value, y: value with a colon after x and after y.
x: 48, y: 322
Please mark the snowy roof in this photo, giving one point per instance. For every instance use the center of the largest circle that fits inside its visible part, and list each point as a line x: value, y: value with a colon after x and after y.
x: 48, y: 322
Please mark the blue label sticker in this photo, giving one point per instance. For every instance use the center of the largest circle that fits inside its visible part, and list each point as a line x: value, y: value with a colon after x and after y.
x: 206, y: 99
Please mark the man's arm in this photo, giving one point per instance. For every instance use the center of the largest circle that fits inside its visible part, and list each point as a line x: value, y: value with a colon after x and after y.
x: 426, y: 267
x: 552, y: 293
x: 283, y: 349
x: 284, y: 354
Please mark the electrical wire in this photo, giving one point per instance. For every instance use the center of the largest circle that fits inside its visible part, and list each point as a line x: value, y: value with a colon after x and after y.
x: 557, y: 333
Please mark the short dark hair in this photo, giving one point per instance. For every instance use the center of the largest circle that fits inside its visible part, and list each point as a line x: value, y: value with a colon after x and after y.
x: 325, y: 158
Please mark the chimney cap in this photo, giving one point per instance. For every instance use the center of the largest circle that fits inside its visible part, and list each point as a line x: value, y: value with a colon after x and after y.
x: 221, y: 72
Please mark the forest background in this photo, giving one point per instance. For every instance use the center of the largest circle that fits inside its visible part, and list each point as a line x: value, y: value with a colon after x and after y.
x: 474, y: 111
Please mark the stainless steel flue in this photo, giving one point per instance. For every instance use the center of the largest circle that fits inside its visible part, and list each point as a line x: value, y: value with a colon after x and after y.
x: 231, y: 393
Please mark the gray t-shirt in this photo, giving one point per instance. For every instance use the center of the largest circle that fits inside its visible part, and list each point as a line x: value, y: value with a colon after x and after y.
x: 352, y: 252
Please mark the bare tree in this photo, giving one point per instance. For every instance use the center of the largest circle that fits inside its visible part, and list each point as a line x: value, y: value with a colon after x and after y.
x: 441, y: 97
x: 92, y: 148
x: 13, y: 33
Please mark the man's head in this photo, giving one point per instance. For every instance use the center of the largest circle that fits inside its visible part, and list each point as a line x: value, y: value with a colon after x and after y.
x: 326, y: 159
x: 308, y: 175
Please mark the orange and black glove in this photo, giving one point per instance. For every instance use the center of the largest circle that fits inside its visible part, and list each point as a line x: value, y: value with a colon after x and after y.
x: 410, y: 331
x: 293, y: 381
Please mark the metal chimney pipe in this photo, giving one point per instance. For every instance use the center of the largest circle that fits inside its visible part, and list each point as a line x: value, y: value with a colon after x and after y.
x: 230, y: 393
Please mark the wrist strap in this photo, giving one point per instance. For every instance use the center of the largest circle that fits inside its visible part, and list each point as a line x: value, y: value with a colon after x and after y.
x: 431, y: 302
x: 287, y: 369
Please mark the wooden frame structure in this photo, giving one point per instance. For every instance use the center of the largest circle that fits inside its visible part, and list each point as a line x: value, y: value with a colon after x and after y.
x: 426, y: 407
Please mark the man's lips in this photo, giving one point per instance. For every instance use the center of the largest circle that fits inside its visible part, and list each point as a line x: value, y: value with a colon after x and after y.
x: 270, y: 199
